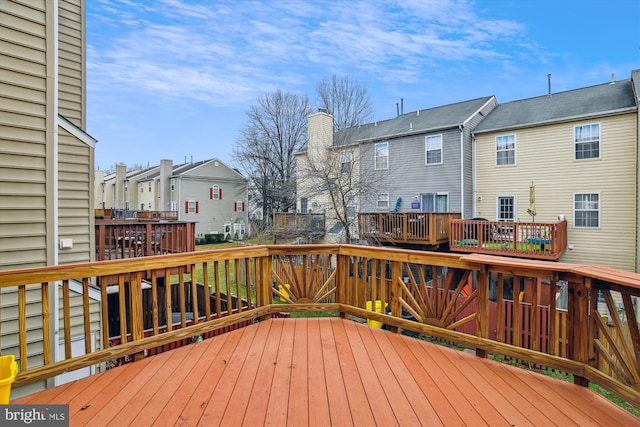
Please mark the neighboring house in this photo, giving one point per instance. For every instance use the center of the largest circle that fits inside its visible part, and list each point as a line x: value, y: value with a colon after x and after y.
x: 580, y: 150
x: 46, y: 166
x: 207, y: 192
x: 424, y: 158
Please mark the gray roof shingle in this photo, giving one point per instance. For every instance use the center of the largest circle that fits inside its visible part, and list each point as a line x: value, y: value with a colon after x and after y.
x: 573, y: 104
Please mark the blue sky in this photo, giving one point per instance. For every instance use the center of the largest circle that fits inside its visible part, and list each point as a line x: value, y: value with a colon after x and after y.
x: 172, y: 79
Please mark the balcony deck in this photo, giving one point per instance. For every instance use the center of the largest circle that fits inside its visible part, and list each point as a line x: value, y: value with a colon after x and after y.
x: 325, y: 372
x: 416, y: 228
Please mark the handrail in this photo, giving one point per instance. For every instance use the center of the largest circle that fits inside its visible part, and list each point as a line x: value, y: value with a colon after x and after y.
x: 455, y: 297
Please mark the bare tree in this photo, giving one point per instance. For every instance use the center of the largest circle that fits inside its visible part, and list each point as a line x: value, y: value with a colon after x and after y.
x: 265, y: 151
x: 346, y: 100
x: 332, y: 170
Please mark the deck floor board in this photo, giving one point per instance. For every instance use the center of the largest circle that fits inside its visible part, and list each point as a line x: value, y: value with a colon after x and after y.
x: 321, y: 372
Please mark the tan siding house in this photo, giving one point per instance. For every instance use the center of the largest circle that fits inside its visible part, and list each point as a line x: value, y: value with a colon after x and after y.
x: 580, y: 150
x: 46, y: 159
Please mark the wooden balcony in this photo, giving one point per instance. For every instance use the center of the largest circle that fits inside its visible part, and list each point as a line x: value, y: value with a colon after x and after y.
x: 290, y: 224
x: 419, y: 228
x: 119, y: 214
x: 537, y: 240
x: 311, y: 372
x: 120, y: 239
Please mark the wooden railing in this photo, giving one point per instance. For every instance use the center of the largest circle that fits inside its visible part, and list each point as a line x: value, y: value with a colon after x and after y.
x: 131, y: 239
x: 120, y: 214
x: 426, y: 228
x: 298, y: 224
x: 536, y: 240
x: 452, y: 297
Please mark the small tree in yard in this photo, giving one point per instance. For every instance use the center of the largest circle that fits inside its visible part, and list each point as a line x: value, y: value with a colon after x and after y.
x: 265, y: 151
x: 331, y: 168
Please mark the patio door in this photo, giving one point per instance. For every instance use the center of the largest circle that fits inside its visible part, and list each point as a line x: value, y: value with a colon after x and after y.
x: 435, y: 202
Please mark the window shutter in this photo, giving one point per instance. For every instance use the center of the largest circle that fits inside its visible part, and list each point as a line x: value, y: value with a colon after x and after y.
x: 211, y: 193
x: 220, y: 191
x: 242, y: 206
x: 196, y: 207
x: 186, y: 207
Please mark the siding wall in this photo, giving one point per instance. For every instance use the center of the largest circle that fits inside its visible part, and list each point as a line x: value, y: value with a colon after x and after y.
x: 212, y: 214
x: 408, y: 175
x: 75, y: 182
x: 23, y: 133
x: 71, y: 90
x: 545, y: 155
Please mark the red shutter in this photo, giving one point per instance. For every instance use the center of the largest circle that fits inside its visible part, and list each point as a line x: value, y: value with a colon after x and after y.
x: 220, y: 191
x: 186, y: 207
x: 196, y: 207
x: 211, y: 193
x: 242, y: 206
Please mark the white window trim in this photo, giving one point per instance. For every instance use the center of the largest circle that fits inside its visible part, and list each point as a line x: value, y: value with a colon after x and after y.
x: 190, y: 204
x: 515, y: 151
x: 215, y: 189
x: 573, y: 202
x: 515, y: 206
x: 575, y: 144
x: 375, y: 155
x: 426, y: 150
x: 378, y: 200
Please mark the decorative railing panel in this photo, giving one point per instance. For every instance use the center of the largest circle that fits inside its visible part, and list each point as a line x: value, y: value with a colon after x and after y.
x: 578, y: 319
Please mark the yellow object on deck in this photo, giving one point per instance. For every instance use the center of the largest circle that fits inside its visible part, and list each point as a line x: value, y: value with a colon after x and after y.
x: 8, y: 372
x: 375, y: 323
x: 284, y: 289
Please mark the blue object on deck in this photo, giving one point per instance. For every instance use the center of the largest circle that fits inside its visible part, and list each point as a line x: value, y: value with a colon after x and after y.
x: 397, y: 204
x: 539, y: 240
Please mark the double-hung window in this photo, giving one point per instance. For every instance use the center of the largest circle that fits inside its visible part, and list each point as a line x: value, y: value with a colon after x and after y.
x: 506, y: 208
x: 382, y: 155
x: 586, y: 210
x: 345, y: 161
x: 587, y: 141
x: 506, y: 150
x: 433, y: 150
x: 383, y: 201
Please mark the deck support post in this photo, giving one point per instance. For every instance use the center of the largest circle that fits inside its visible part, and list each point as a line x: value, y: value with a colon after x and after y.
x: 577, y: 328
x: 137, y: 317
x: 483, y: 307
x: 396, y: 308
x: 264, y: 294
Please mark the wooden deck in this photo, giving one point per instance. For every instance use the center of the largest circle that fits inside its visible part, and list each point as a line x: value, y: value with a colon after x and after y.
x: 329, y: 371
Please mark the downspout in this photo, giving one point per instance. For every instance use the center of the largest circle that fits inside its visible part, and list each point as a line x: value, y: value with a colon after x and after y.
x: 473, y: 176
x: 461, y: 128
x: 52, y: 85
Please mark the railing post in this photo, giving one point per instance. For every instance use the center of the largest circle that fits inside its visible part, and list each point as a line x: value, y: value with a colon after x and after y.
x: 342, y: 281
x: 396, y: 308
x: 483, y: 307
x: 137, y: 318
x: 577, y: 325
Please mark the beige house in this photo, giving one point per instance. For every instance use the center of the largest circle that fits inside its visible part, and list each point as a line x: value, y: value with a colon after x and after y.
x: 580, y: 150
x: 207, y: 192
x: 46, y: 159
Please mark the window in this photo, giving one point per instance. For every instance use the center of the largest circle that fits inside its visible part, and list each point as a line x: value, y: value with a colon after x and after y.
x: 215, y: 193
x: 435, y: 202
x: 239, y: 206
x: 587, y: 142
x: 141, y: 206
x: 141, y: 188
x: 149, y: 186
x: 433, y: 150
x: 126, y: 205
x: 382, y: 155
x: 149, y: 204
x: 303, y: 205
x: 173, y: 184
x: 345, y: 161
x: 506, y: 209
x: 174, y: 206
x: 586, y: 210
x: 506, y: 150
x: 191, y: 206
x: 126, y: 185
x: 383, y: 201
